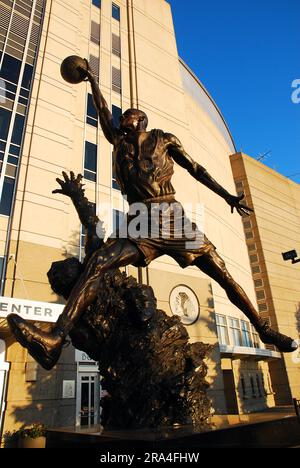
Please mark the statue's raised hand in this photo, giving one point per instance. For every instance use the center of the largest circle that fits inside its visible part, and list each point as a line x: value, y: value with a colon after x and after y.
x: 70, y: 186
x: 235, y: 203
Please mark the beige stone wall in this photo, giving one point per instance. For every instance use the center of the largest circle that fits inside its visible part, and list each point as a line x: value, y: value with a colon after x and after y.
x: 276, y: 225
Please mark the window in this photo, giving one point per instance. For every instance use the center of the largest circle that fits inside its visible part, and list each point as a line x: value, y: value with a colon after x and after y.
x: 91, y: 113
x: 255, y: 336
x: 235, y: 331
x: 246, y: 337
x: 116, y: 80
x: 258, y: 283
x: 239, y: 185
x: 116, y: 45
x: 249, y: 235
x: 116, y: 113
x: 262, y: 307
x: 27, y: 76
x: 95, y: 33
x: 5, y: 117
x: 247, y: 224
x: 90, y: 161
x: 97, y: 3
x: 18, y: 129
x: 7, y: 196
x: 118, y: 218
x: 115, y: 184
x: 94, y: 64
x: 251, y: 247
x: 82, y: 243
x: 1, y: 266
x: 255, y: 269
x: 254, y: 258
x: 10, y: 69
x: 116, y: 12
x: 222, y: 329
x: 260, y: 295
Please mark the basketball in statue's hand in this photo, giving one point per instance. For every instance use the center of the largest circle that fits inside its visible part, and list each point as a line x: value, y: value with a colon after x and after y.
x: 72, y: 69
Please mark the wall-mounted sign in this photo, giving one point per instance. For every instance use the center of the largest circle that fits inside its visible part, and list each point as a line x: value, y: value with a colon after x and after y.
x: 68, y: 389
x: 184, y: 303
x: 30, y: 310
x: 81, y: 356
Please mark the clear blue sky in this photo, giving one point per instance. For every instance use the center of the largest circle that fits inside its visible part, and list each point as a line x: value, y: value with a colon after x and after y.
x: 247, y: 53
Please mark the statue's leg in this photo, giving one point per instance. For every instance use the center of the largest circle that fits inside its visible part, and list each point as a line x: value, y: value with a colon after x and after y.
x: 46, y: 347
x: 214, y: 266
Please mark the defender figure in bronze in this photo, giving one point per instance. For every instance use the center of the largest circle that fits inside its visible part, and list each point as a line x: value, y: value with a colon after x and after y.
x: 144, y: 163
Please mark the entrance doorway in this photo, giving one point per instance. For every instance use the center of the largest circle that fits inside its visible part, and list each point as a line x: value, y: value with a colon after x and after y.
x: 88, y: 399
x: 230, y: 392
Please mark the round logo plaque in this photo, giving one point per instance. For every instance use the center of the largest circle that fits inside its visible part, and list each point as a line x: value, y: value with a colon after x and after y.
x: 185, y: 304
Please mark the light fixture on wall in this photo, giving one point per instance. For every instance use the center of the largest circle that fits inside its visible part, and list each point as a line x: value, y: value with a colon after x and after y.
x: 291, y: 255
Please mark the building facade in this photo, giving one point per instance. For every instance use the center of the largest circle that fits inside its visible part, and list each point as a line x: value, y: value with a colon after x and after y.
x: 272, y: 229
x: 48, y: 126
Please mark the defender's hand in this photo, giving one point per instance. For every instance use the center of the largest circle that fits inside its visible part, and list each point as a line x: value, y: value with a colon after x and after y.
x: 235, y: 203
x: 71, y: 186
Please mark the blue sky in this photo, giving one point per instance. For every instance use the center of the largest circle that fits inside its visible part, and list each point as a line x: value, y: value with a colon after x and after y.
x: 247, y: 54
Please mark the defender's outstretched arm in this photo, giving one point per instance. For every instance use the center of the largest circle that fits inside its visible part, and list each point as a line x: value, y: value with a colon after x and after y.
x: 73, y: 188
x: 177, y: 152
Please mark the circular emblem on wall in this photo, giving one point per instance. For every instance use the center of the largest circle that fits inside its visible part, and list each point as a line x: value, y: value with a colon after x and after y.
x: 184, y: 303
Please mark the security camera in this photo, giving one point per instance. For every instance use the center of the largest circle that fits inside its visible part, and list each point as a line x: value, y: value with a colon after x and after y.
x: 290, y: 255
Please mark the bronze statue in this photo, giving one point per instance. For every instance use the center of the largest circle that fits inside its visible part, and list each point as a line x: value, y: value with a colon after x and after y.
x: 144, y: 163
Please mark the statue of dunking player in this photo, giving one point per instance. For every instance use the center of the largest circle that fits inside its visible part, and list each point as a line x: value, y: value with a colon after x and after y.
x: 144, y: 163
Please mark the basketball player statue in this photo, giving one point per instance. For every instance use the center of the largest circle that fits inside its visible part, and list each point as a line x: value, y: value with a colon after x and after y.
x: 144, y: 165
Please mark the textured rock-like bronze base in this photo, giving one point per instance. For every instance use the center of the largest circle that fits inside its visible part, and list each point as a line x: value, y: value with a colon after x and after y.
x: 153, y: 376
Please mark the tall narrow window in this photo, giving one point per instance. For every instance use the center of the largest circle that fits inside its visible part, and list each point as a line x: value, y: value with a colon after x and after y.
x: 95, y: 33
x: 222, y: 329
x: 91, y: 113
x: 97, y: 3
x: 90, y: 161
x: 7, y: 196
x: 235, y: 330
x: 255, y: 336
x: 246, y: 337
x: 116, y: 112
x: 116, y: 12
x: 116, y: 80
x: 118, y: 217
x: 116, y: 45
x: 5, y: 117
x: 94, y: 64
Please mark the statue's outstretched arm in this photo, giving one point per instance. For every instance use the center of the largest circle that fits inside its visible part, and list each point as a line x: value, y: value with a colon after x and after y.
x: 111, y: 132
x: 73, y: 188
x: 177, y: 152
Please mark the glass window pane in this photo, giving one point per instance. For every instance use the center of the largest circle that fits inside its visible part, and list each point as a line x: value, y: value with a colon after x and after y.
x: 5, y: 116
x: 7, y: 196
x: 116, y: 12
x: 27, y: 76
x: 97, y: 3
x: 90, y: 161
x: 91, y: 110
x: 90, y: 176
x: 10, y: 69
x: 18, y: 129
x: 116, y: 112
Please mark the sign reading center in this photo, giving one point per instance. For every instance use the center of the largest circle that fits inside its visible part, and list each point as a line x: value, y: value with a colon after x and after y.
x: 30, y: 310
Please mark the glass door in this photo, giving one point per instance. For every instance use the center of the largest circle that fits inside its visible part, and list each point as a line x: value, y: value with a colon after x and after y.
x: 89, y: 391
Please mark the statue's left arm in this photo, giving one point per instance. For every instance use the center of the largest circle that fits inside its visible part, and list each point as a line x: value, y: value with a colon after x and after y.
x: 177, y: 152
